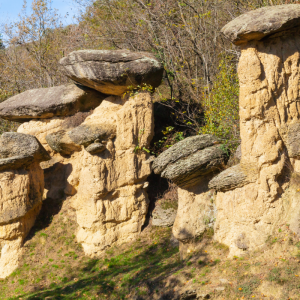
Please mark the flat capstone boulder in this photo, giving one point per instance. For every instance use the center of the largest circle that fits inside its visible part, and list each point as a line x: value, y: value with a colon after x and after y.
x: 18, y: 150
x: 259, y: 23
x: 234, y: 177
x: 86, y: 134
x: 190, y: 159
x: 44, y: 103
x: 60, y: 142
x: 113, y: 72
x: 183, y: 149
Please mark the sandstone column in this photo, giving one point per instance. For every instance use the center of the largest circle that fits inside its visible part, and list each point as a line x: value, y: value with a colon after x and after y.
x: 191, y: 163
x: 21, y: 192
x: 250, y: 198
x: 98, y: 132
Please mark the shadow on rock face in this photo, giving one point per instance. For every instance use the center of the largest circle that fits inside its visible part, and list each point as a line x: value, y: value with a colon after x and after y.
x: 56, y: 180
x: 157, y: 187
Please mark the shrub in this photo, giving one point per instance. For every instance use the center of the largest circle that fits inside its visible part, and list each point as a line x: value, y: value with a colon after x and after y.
x: 222, y: 106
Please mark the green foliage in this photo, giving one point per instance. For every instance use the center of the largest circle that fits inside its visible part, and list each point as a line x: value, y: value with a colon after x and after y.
x: 222, y: 106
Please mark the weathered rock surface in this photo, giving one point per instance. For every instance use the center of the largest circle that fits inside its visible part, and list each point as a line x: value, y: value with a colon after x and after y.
x: 44, y: 103
x: 112, y: 72
x: 190, y: 159
x: 95, y: 148
x: 260, y: 23
x: 291, y: 137
x: 163, y: 217
x: 21, y: 192
x: 86, y: 134
x: 187, y: 171
x: 183, y: 149
x: 108, y: 187
x: 191, y: 163
x: 196, y: 213
x: 269, y: 114
x: 43, y: 127
x: 19, y: 150
x: 61, y: 142
x: 234, y: 177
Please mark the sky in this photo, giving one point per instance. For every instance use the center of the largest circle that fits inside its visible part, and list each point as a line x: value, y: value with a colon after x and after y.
x: 10, y: 9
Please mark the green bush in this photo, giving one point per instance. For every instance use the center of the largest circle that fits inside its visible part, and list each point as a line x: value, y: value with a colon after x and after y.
x: 222, y: 106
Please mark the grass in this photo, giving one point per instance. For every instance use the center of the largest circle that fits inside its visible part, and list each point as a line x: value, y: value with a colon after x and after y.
x: 54, y: 267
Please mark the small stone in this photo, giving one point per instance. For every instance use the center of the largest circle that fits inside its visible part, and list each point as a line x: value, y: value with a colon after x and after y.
x: 187, y: 295
x: 95, y: 148
x: 220, y: 288
x: 203, y: 296
x: 163, y: 217
x: 224, y: 281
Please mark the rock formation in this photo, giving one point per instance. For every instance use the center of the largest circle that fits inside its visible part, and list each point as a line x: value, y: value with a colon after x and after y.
x: 112, y: 72
x: 98, y: 146
x: 21, y: 192
x: 256, y: 195
x: 164, y: 214
x: 191, y: 163
x: 46, y: 103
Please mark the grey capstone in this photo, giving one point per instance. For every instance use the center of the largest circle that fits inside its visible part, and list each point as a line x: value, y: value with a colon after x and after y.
x: 232, y: 178
x: 112, y: 72
x: 64, y: 100
x: 262, y: 22
x: 181, y: 150
x: 95, y: 148
x: 60, y: 142
x: 18, y: 150
x: 187, y: 171
x: 87, y: 134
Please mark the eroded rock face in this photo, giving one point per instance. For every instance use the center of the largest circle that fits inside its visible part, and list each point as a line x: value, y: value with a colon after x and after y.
x: 64, y: 100
x: 269, y: 113
x: 112, y: 72
x: 21, y: 192
x: 260, y: 23
x: 112, y: 201
x: 163, y: 216
x: 107, y: 175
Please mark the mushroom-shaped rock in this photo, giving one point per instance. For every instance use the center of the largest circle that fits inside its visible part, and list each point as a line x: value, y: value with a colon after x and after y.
x: 189, y: 159
x: 262, y: 22
x: 234, y: 177
x: 20, y: 150
x: 21, y: 192
x: 112, y: 72
x: 44, y: 103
